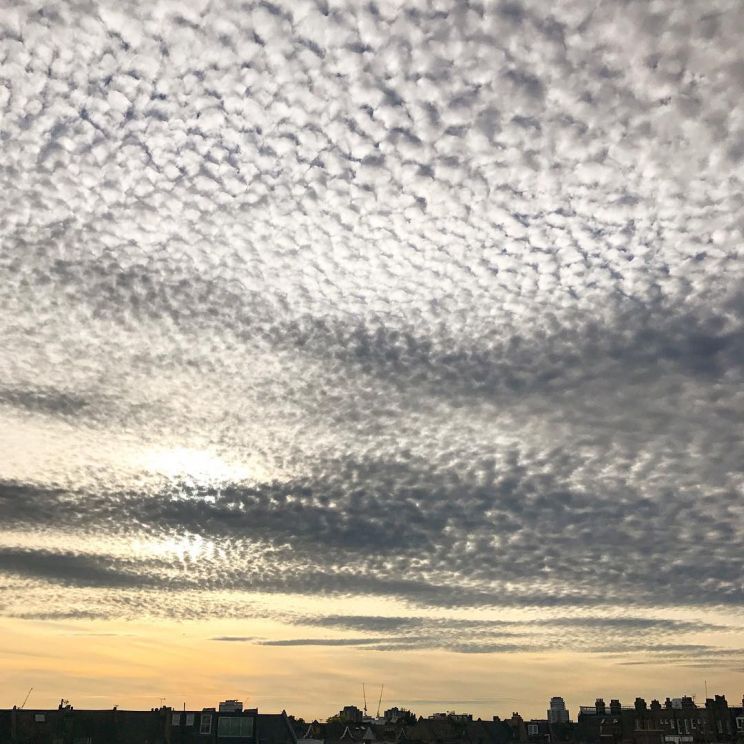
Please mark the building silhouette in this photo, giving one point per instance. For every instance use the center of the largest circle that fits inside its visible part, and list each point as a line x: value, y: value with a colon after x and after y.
x: 557, y: 713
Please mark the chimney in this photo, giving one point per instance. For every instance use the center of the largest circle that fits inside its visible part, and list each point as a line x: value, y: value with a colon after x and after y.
x: 599, y: 706
x: 615, y: 707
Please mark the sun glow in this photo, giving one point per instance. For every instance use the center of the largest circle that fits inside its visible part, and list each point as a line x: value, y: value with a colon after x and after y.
x: 201, y: 466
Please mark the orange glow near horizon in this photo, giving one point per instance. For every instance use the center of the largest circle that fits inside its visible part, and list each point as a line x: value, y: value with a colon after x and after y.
x: 133, y: 664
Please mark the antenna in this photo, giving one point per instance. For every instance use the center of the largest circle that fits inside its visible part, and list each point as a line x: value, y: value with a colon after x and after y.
x: 706, y: 689
x: 364, y: 695
x: 379, y: 702
x: 25, y: 700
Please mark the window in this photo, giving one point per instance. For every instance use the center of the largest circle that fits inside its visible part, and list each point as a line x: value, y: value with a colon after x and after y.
x: 189, y: 719
x: 39, y: 717
x: 720, y: 727
x: 206, y: 724
x: 235, y: 726
x: 176, y: 719
x: 532, y: 729
x: 740, y: 724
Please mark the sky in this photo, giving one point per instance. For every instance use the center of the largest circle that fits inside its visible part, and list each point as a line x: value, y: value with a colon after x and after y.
x: 382, y: 342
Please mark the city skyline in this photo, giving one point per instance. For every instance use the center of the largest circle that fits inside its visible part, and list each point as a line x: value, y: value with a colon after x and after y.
x: 675, y: 721
x: 397, y: 341
x: 371, y: 710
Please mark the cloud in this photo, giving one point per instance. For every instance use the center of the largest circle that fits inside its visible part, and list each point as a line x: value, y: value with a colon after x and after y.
x: 413, y: 624
x: 513, y: 521
x: 133, y: 595
x: 323, y: 642
x: 57, y: 615
x: 235, y: 639
x: 45, y: 401
x: 81, y: 570
x: 372, y: 623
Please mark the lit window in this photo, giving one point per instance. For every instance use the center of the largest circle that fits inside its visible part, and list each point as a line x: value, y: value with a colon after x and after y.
x: 206, y: 724
x: 189, y: 719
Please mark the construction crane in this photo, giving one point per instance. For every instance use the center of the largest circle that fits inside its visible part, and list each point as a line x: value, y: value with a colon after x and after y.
x: 364, y: 695
x: 379, y: 702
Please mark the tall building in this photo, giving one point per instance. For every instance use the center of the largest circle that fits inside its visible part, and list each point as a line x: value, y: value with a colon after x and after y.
x: 351, y: 714
x: 557, y: 713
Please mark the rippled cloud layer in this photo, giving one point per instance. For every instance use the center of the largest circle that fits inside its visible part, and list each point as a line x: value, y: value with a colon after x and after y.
x: 432, y: 301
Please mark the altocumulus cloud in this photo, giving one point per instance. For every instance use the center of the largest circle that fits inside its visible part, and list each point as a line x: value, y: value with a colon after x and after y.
x: 439, y: 301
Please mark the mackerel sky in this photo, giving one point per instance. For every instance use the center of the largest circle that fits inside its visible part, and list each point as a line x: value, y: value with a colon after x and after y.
x: 374, y: 327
